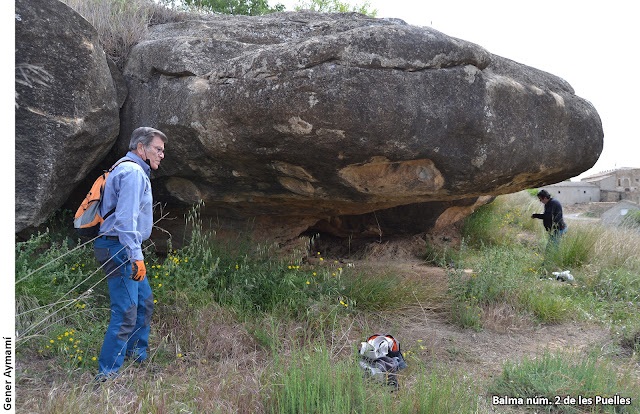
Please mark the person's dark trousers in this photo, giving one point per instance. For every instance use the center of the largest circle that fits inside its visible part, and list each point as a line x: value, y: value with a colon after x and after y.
x: 131, y: 309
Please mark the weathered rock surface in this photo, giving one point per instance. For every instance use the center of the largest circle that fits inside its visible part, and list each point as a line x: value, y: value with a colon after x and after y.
x: 67, y: 113
x: 295, y: 121
x: 302, y: 120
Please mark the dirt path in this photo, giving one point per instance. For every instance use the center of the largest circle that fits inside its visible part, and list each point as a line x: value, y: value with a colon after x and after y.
x: 426, y: 333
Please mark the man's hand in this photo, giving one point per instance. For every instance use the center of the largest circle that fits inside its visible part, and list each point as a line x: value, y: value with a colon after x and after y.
x: 138, y: 270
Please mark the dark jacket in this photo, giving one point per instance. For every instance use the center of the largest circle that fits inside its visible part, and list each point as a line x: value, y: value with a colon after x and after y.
x: 552, y: 216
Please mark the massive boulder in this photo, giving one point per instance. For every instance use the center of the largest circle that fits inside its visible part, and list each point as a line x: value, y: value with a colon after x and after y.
x: 294, y: 121
x: 298, y: 121
x: 67, y: 106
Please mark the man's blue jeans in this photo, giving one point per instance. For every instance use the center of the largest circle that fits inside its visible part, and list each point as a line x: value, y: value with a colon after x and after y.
x: 131, y: 309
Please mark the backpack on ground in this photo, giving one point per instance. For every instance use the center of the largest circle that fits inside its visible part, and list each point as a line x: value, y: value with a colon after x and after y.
x: 87, y: 219
x: 381, y: 359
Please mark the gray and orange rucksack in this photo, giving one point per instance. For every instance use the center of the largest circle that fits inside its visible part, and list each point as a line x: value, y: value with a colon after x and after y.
x: 381, y: 359
x: 87, y: 219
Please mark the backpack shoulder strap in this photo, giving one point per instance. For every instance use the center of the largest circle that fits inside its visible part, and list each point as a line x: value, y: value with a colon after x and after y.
x: 113, y: 167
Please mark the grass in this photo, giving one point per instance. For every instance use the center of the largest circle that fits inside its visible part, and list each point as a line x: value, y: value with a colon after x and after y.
x: 603, y: 261
x: 122, y: 24
x: 314, y: 383
x: 501, y: 222
x: 239, y: 327
x: 556, y: 378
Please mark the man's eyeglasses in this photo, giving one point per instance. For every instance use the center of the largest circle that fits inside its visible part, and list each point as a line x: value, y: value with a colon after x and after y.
x: 159, y: 150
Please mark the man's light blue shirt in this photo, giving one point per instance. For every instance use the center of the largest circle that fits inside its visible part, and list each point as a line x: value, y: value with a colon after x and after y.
x: 128, y: 190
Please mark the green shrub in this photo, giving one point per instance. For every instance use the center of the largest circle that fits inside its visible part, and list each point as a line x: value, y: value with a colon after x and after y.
x: 438, y: 391
x: 629, y: 336
x: 498, y: 275
x: 614, y: 285
x: 312, y: 383
x: 546, y: 305
x: 440, y: 256
x: 48, y: 269
x: 482, y: 227
x: 495, y: 274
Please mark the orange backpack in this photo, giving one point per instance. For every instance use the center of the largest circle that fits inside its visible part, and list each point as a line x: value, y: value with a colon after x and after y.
x: 87, y: 219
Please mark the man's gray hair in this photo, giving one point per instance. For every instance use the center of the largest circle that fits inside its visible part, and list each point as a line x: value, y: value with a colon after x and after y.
x: 145, y: 135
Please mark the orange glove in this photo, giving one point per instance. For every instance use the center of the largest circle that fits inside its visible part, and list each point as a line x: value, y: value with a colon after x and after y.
x: 138, y: 270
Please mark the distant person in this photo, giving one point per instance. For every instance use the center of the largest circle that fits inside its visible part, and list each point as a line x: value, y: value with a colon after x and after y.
x: 551, y: 219
x: 119, y: 250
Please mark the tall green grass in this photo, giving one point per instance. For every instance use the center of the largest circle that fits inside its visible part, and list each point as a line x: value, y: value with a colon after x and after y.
x: 502, y: 221
x: 554, y: 376
x: 576, y: 248
x: 506, y: 261
x: 313, y: 382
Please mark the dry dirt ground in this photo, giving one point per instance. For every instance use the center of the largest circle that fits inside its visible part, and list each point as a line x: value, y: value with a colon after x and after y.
x: 505, y: 336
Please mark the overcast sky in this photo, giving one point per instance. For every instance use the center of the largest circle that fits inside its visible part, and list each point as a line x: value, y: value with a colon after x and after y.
x: 592, y: 45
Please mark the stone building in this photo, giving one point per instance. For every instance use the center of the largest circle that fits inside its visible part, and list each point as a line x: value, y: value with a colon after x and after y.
x: 574, y: 192
x: 618, y: 184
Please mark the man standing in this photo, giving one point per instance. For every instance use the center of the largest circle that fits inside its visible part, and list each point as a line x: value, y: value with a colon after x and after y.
x: 551, y: 219
x: 119, y: 250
